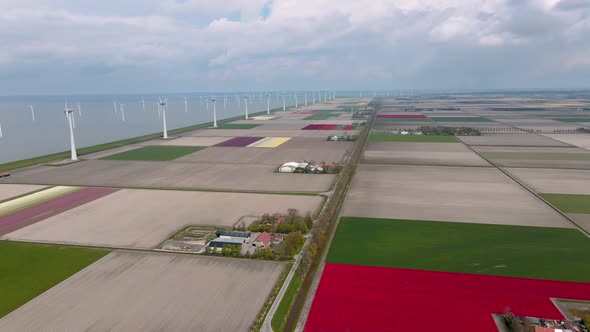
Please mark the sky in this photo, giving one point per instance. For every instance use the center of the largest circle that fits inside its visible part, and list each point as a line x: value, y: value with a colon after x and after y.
x: 139, y: 46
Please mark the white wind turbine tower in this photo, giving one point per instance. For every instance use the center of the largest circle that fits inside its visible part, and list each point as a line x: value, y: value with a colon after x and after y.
x: 313, y: 97
x: 201, y: 101
x: 79, y: 110
x: 207, y: 103
x: 1, y: 135
x: 215, y: 113
x: 224, y: 102
x: 69, y: 112
x: 115, y: 105
x: 32, y: 112
x: 185, y: 105
x: 163, y: 105
x: 306, y: 99
x: 122, y: 106
x: 261, y: 97
x: 142, y: 104
x: 284, y: 102
x: 267, y: 103
x: 238, y: 98
x: 296, y: 103
x: 246, y: 102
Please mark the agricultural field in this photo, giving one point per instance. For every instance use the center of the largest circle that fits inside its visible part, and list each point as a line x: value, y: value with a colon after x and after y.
x: 463, y: 247
x: 237, y: 126
x: 271, y: 156
x: 579, y: 140
x: 324, y: 114
x: 459, y: 119
x: 412, y: 138
x: 379, y: 119
x: 456, y: 194
x: 511, y: 140
x: 8, y: 191
x: 539, y: 157
x: 155, y: 153
x: 174, y: 174
x: 28, y: 270
x: 569, y: 203
x: 193, y: 141
x: 556, y: 181
x: 408, y: 153
x: 128, y: 290
x: 155, y: 215
x: 376, y: 298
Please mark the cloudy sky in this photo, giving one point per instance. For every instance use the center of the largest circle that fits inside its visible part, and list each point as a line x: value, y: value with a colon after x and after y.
x: 135, y: 46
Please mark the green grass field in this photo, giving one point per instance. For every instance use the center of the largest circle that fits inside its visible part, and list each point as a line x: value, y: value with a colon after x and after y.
x: 27, y: 270
x: 537, y: 155
x: 531, y: 252
x: 569, y: 203
x: 237, y: 126
x: 403, y: 120
x: 324, y: 114
x: 279, y: 319
x: 412, y: 138
x: 157, y: 153
x: 460, y: 119
x: 586, y: 119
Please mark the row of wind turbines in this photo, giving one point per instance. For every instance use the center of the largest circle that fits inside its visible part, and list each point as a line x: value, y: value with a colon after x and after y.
x: 162, y: 107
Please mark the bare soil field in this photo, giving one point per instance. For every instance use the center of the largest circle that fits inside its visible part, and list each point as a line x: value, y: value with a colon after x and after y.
x: 138, y: 291
x: 195, y: 141
x: 106, y: 153
x: 173, y: 174
x: 579, y: 140
x: 457, y: 194
x: 320, y: 143
x: 554, y: 181
x: 581, y: 219
x: 281, y: 126
x: 12, y: 190
x: 510, y: 140
x: 144, y: 218
x: 268, y: 133
x: 265, y: 156
x: 421, y: 154
x: 556, y: 164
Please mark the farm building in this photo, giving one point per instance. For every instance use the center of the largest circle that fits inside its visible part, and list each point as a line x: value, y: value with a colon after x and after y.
x: 230, y: 234
x: 263, y: 240
x: 292, y: 166
x: 232, y: 241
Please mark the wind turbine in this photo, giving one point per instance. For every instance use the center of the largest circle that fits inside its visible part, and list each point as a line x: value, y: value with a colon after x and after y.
x: 207, y: 103
x: 201, y: 101
x: 224, y: 102
x: 267, y: 103
x: 32, y: 112
x: 313, y: 97
x: 306, y: 99
x: 284, y: 103
x: 1, y: 135
x: 142, y: 104
x: 69, y: 112
x: 158, y: 107
x: 79, y: 110
x: 238, y: 98
x: 246, y: 102
x: 122, y: 106
x: 296, y: 103
x: 115, y: 105
x: 185, y: 106
x: 163, y: 105
x: 214, y: 113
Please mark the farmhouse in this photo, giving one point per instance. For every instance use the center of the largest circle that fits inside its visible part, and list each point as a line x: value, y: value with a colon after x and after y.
x: 263, y: 240
x: 292, y: 166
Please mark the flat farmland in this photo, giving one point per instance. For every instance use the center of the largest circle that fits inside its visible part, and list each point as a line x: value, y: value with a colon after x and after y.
x: 45, y: 267
x: 174, y: 174
x: 556, y: 181
x: 361, y: 298
x: 457, y: 194
x: 154, y: 153
x: 511, y: 140
x: 421, y: 154
x: 579, y: 140
x: 320, y: 143
x: 412, y: 138
x: 540, y: 157
x: 502, y: 250
x: 144, y: 218
x: 12, y: 190
x: 268, y: 133
x: 265, y: 156
x: 121, y: 149
x: 195, y: 141
x: 138, y: 291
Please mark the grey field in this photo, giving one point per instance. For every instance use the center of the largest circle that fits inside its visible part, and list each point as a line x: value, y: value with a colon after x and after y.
x: 511, y: 140
x: 556, y: 181
x: 457, y: 194
x: 144, y: 218
x: 137, y: 291
x: 407, y: 153
x: 11, y: 190
x: 174, y: 174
